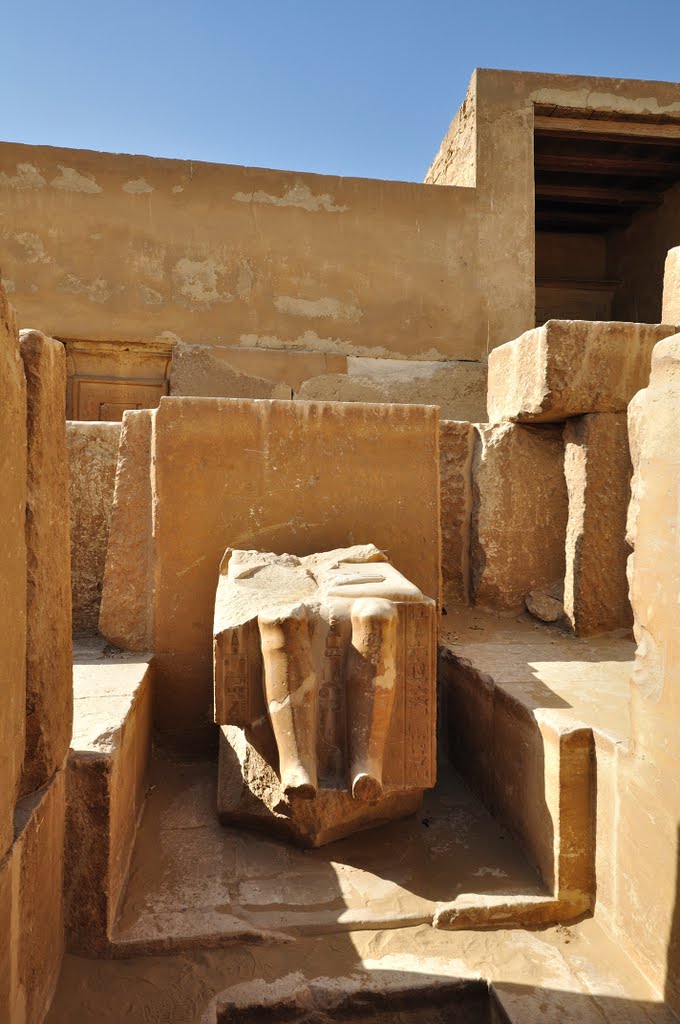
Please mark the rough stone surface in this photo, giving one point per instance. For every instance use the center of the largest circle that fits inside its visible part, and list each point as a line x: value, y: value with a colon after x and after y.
x: 457, y: 387
x: 598, y: 470
x: 671, y: 288
x: 31, y: 910
x: 325, y: 671
x: 93, y: 455
x: 547, y: 603
x: 214, y: 373
x: 12, y: 567
x: 280, y: 476
x: 125, y: 614
x: 648, y: 791
x: 49, y: 692
x: 570, y: 367
x: 519, y: 513
x: 456, y: 443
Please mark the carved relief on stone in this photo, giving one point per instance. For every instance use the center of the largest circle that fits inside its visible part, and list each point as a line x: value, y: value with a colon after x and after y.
x: 325, y: 690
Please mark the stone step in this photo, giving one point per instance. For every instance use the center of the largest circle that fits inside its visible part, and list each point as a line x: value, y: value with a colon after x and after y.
x: 530, y: 717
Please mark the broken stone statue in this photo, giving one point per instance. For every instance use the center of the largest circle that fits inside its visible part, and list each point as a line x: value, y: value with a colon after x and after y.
x: 324, y: 690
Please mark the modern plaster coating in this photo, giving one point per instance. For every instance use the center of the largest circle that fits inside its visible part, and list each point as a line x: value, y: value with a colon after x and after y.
x: 138, y: 246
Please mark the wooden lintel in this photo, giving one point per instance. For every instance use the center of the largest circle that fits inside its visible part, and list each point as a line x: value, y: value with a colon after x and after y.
x: 597, y: 194
x: 615, y: 164
x: 576, y: 127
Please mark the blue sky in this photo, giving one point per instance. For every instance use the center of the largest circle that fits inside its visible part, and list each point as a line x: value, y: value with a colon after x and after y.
x: 354, y: 88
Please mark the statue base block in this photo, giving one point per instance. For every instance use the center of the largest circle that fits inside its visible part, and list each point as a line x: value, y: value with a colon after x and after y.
x: 249, y: 793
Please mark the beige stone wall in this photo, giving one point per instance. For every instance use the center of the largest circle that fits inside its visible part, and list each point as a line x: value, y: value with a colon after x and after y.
x: 141, y: 248
x: 93, y: 455
x: 499, y: 109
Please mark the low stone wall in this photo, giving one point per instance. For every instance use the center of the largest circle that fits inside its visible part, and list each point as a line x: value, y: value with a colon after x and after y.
x: 92, y: 454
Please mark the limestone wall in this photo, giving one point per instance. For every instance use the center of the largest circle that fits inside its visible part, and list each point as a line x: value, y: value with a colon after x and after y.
x: 141, y: 248
x: 93, y: 455
x: 35, y: 668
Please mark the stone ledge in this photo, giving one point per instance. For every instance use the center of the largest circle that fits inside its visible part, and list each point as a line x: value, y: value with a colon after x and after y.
x: 106, y: 782
x: 531, y: 713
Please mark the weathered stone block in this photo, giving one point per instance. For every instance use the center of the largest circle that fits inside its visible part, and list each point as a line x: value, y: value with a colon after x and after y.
x: 49, y: 690
x: 456, y: 443
x: 216, y: 372
x: 598, y: 471
x: 570, y: 367
x: 325, y: 671
x: 93, y: 455
x: 282, y: 476
x: 31, y: 906
x: 671, y: 288
x: 211, y: 372
x: 12, y: 567
x: 125, y: 614
x: 458, y: 387
x: 519, y: 513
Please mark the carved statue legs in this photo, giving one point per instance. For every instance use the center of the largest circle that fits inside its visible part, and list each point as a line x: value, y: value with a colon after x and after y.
x: 290, y: 685
x: 371, y: 683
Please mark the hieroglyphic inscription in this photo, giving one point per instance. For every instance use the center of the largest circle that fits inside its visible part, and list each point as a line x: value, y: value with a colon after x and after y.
x: 420, y: 695
x: 238, y: 679
x: 332, y: 724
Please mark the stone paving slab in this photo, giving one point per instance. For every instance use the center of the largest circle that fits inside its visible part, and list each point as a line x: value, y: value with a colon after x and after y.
x: 194, y: 882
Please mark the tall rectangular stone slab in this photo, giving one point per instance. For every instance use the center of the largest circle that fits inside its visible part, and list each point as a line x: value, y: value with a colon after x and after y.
x: 289, y: 477
x: 570, y: 367
x: 598, y: 470
x: 456, y: 443
x: 649, y: 795
x: 519, y: 513
x: 671, y: 288
x: 93, y: 456
x: 126, y: 614
x: 49, y: 687
x: 12, y: 567
x: 31, y: 906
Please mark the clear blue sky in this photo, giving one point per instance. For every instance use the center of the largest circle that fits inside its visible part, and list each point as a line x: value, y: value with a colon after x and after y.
x: 359, y: 87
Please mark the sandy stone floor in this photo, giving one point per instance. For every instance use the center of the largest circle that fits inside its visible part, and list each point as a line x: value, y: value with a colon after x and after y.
x: 194, y: 881
x: 571, y: 975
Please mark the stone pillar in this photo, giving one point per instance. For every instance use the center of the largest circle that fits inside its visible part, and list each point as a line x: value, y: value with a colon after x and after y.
x: 12, y: 569
x: 93, y: 455
x: 649, y: 794
x: 456, y: 443
x: 519, y: 513
x: 671, y: 288
x: 49, y: 681
x: 598, y: 470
